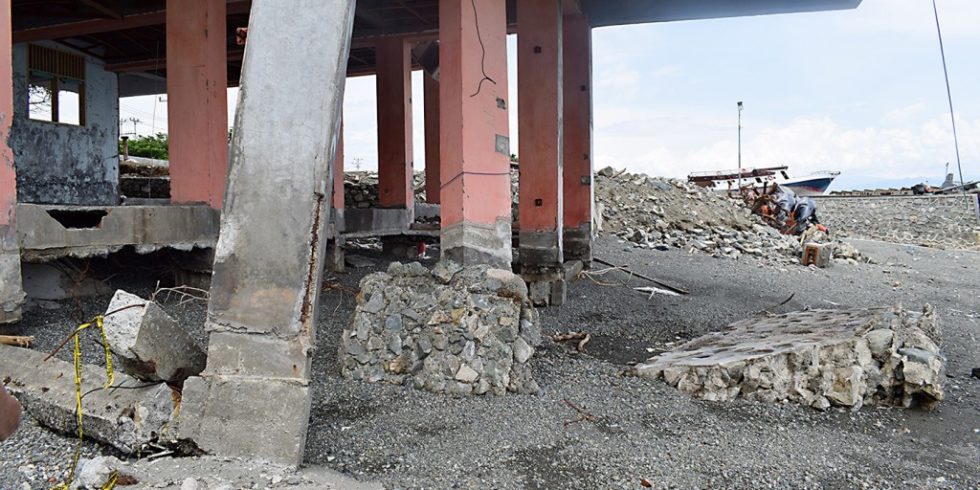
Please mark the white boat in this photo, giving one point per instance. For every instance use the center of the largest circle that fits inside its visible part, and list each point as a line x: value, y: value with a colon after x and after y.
x: 724, y: 180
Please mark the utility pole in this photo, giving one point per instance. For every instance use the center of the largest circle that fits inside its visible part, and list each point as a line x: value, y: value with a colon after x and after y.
x: 949, y: 97
x: 740, y: 147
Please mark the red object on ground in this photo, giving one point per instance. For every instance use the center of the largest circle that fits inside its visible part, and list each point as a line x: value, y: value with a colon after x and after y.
x: 10, y: 410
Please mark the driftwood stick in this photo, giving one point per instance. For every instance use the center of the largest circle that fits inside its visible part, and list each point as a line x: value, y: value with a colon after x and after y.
x: 16, y: 340
x: 641, y: 276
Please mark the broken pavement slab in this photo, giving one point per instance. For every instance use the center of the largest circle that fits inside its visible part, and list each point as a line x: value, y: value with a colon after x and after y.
x: 123, y: 418
x: 819, y: 358
x: 148, y: 343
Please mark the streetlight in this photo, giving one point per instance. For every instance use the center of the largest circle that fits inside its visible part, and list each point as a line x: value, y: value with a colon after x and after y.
x: 740, y: 147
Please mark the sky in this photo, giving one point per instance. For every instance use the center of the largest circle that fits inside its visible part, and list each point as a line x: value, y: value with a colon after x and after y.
x: 857, y: 91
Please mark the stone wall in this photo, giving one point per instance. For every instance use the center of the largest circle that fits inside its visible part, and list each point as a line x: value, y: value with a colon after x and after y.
x: 450, y: 330
x: 62, y: 163
x: 948, y: 221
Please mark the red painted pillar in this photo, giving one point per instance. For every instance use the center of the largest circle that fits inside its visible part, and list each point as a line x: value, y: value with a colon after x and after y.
x: 394, y: 86
x: 197, y: 100
x: 11, y: 293
x: 577, y: 138
x: 474, y: 146
x: 539, y: 120
x: 432, y: 183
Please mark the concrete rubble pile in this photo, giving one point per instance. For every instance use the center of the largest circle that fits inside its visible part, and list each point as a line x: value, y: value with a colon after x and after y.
x: 818, y: 358
x: 451, y: 330
x: 668, y: 213
x: 361, y: 189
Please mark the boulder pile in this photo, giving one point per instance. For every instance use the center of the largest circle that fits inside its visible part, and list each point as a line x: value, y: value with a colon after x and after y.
x: 450, y: 330
x: 818, y: 358
x: 361, y: 189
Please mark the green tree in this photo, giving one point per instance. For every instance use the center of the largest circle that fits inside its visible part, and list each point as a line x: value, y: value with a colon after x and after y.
x: 155, y: 146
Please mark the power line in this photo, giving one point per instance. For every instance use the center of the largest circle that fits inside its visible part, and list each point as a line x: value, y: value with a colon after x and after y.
x: 949, y: 95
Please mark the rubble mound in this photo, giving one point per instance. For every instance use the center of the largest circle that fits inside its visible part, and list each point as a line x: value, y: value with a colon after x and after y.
x: 654, y: 212
x: 819, y: 358
x: 361, y: 189
x: 451, y: 330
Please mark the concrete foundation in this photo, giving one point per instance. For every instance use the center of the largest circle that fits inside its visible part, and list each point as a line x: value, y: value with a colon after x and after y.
x: 269, y: 257
x: 475, y: 243
x: 577, y: 243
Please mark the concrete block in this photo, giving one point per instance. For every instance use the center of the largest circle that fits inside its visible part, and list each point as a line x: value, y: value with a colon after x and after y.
x: 336, y: 258
x: 47, y: 282
x: 223, y: 419
x: 148, y: 343
x: 11, y: 293
x: 559, y: 292
x: 818, y: 254
x: 123, y: 418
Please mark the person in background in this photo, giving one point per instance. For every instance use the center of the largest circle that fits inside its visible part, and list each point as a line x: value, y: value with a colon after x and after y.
x: 9, y: 414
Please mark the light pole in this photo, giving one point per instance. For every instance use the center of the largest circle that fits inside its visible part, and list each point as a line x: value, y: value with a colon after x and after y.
x: 740, y: 147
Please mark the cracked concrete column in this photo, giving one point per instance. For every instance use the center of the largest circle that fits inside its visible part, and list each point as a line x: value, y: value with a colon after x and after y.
x: 474, y: 146
x: 430, y: 88
x: 11, y: 291
x: 539, y: 93
x: 253, y: 398
x: 197, y: 100
x: 577, y: 138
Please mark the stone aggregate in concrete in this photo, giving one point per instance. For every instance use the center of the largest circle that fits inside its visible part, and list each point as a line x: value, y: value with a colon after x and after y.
x: 451, y: 330
x: 819, y: 358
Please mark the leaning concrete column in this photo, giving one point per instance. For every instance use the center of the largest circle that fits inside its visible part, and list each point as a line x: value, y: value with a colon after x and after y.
x: 11, y: 292
x: 253, y: 398
x: 577, y: 138
x: 430, y: 88
x: 474, y: 148
x: 539, y: 94
x: 394, y: 89
x: 197, y: 100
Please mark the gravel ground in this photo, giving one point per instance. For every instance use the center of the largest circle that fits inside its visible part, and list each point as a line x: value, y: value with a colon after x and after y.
x: 641, y: 429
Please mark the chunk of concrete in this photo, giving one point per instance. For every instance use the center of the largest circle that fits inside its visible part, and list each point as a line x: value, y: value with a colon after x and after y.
x: 816, y: 358
x: 125, y: 419
x: 148, y: 343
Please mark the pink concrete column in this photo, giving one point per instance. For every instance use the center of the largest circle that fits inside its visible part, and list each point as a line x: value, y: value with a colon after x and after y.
x: 338, y: 171
x: 539, y: 119
x: 197, y: 101
x: 474, y: 145
x: 394, y: 86
x: 432, y: 183
x: 577, y: 138
x: 11, y: 293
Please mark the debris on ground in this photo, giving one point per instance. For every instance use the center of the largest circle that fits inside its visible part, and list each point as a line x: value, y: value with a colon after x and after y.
x: 126, y: 415
x: 148, y: 343
x: 659, y: 213
x: 359, y: 261
x: 451, y: 330
x: 818, y: 358
x: 16, y: 340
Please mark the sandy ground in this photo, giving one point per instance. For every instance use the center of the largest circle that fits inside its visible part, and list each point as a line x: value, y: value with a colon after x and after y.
x: 644, y: 430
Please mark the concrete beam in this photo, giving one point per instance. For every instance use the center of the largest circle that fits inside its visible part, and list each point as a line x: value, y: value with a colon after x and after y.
x: 11, y: 292
x: 539, y: 93
x: 578, y: 189
x: 98, y: 231
x: 197, y: 108
x: 431, y: 93
x: 474, y: 144
x: 269, y: 259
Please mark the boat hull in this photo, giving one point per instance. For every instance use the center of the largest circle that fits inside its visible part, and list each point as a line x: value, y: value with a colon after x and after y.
x: 809, y: 187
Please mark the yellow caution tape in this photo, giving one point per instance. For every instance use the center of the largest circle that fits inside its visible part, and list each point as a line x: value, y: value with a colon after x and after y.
x: 110, y: 377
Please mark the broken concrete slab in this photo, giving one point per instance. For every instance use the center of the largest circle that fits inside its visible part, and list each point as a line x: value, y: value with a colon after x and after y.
x: 148, y: 343
x: 125, y: 419
x: 886, y: 356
